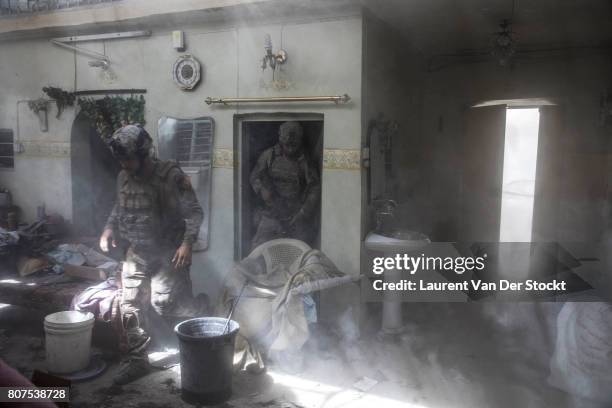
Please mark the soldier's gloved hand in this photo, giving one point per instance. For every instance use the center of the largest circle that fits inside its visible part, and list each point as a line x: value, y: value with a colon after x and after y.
x: 106, y: 236
x: 182, y: 257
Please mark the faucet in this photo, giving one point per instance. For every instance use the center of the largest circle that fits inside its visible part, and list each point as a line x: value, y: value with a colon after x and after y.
x: 384, y: 214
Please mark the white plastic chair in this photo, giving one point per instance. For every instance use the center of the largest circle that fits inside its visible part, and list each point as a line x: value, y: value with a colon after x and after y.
x: 254, y: 311
x: 280, y: 252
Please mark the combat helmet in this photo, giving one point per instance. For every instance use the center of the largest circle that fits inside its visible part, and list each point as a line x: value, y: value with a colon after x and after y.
x: 130, y: 141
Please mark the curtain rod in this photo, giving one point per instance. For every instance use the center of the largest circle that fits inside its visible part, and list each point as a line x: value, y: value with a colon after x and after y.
x: 271, y: 99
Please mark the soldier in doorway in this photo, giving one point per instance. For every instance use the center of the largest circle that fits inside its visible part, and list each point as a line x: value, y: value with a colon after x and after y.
x: 289, y: 188
x: 158, y: 215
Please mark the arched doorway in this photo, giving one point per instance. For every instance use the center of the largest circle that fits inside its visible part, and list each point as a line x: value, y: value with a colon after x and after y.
x: 94, y: 175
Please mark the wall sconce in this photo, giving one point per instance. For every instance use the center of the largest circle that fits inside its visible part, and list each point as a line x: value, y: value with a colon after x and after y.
x: 270, y: 58
x: 103, y: 63
x: 274, y: 60
x: 106, y: 72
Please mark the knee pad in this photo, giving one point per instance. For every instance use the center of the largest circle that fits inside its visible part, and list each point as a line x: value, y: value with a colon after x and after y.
x: 163, y: 303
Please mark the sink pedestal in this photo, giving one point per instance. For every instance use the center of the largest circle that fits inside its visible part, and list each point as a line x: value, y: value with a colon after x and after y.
x: 392, y: 322
x: 401, y: 242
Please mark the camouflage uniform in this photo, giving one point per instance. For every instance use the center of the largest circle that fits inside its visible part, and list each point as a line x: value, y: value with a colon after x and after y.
x: 296, y: 187
x: 154, y: 216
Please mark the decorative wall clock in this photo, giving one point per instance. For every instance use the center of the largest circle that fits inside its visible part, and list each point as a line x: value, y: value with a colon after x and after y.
x: 186, y: 72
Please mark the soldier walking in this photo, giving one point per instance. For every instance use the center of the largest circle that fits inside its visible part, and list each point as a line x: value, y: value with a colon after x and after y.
x: 158, y: 215
x: 289, y: 187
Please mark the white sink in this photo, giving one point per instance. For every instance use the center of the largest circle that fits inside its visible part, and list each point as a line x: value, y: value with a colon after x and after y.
x: 400, y: 241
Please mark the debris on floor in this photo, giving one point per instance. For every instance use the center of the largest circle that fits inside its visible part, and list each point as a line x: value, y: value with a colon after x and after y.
x: 27, y: 266
x: 422, y: 370
x: 82, y: 261
x: 164, y: 359
x: 365, y: 384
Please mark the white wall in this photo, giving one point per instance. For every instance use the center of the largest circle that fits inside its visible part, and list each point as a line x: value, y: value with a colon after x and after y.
x: 42, y: 174
x: 324, y: 59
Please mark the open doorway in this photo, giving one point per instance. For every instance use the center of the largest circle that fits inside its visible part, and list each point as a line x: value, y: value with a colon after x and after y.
x: 94, y: 174
x: 255, y: 134
x: 519, y: 174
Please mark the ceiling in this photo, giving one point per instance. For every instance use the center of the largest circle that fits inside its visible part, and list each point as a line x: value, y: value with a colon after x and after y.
x: 429, y: 26
x: 439, y: 26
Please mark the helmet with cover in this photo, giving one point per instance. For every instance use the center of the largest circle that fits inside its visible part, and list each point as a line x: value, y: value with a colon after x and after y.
x: 131, y: 141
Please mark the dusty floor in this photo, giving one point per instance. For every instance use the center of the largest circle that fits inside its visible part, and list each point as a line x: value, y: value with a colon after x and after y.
x: 460, y: 356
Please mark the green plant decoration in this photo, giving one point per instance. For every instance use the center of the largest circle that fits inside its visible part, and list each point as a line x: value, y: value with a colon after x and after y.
x: 112, y: 112
x: 62, y: 98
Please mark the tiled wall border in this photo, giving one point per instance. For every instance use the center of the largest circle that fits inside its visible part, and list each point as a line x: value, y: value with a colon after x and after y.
x: 333, y: 159
x: 342, y: 159
x: 223, y: 158
x: 45, y: 149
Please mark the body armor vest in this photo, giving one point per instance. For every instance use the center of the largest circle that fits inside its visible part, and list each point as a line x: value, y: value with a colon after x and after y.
x: 286, y: 176
x: 146, y: 218
x: 139, y: 213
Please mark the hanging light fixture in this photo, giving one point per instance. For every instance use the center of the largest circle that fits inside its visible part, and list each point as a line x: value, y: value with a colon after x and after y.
x: 504, y: 44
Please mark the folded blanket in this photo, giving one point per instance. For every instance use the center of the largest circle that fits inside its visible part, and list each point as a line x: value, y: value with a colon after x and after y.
x: 97, y: 299
x: 289, y: 320
x: 276, y: 308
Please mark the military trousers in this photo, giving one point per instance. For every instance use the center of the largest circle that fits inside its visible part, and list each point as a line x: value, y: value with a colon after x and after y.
x: 150, y: 280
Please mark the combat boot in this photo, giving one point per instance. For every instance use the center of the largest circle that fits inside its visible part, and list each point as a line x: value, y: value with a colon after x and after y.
x: 136, y: 363
x: 132, y: 369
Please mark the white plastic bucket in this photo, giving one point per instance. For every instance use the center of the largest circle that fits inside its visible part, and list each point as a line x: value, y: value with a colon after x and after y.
x: 68, y: 341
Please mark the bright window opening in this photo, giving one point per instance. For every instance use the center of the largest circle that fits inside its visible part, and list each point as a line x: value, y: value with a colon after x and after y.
x: 518, y: 186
